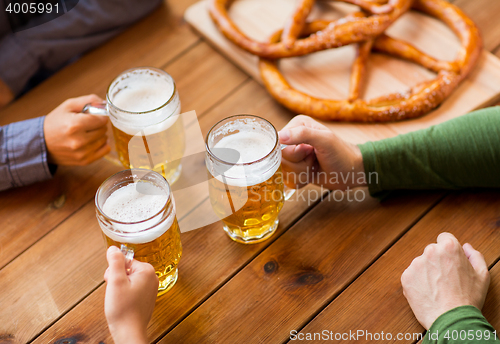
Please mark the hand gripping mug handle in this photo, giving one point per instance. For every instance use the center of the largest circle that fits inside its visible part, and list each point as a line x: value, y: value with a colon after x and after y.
x: 96, y: 109
x: 129, y: 256
x: 287, y: 192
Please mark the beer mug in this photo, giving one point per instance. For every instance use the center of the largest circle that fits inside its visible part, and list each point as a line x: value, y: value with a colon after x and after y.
x: 136, y: 212
x: 243, y: 158
x: 144, y: 107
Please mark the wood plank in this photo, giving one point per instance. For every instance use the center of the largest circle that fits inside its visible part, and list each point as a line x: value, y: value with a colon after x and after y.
x: 375, y: 302
x: 25, y: 219
x: 484, y: 14
x: 153, y: 41
x: 313, y: 261
x: 209, y: 259
x: 51, y: 276
x: 327, y: 73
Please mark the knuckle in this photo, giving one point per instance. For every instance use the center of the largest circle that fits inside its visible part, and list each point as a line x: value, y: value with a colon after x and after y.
x: 72, y: 128
x: 450, y: 245
x: 80, y: 156
x: 429, y: 250
x: 302, y: 117
x: 404, y: 277
x: 68, y: 102
x: 301, y: 132
x: 74, y: 145
x: 150, y: 269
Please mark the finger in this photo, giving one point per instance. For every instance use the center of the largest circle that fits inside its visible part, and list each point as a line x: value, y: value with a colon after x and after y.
x: 106, y: 273
x: 446, y: 236
x: 102, y: 151
x: 430, y: 249
x: 143, y: 272
x: 302, y: 120
x: 88, y: 122
x: 296, y: 153
x: 77, y: 104
x: 141, y: 267
x: 95, y: 151
x: 302, y: 134
x: 475, y: 257
x: 116, y: 260
x: 97, y: 134
x: 449, y: 243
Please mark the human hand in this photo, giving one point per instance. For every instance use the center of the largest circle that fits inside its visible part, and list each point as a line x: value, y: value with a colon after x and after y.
x: 73, y: 138
x: 316, y: 155
x: 130, y: 299
x: 444, y: 277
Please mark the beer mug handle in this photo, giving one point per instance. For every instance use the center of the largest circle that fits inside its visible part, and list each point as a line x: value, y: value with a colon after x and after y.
x: 129, y: 256
x: 287, y: 192
x: 96, y: 109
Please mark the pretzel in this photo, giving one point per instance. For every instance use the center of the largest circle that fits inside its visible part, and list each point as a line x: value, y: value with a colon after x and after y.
x: 397, y: 106
x: 336, y: 34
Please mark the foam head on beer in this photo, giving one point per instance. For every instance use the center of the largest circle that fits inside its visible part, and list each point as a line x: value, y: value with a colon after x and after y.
x: 253, y: 143
x: 137, y: 211
x: 143, y: 94
x: 139, y: 92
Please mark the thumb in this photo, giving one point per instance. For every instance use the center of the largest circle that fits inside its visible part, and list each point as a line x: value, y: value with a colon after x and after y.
x: 476, y: 259
x: 77, y: 104
x: 301, y: 134
x: 116, y: 261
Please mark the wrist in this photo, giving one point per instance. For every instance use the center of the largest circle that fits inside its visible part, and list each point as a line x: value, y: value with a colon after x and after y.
x: 125, y: 334
x: 358, y: 165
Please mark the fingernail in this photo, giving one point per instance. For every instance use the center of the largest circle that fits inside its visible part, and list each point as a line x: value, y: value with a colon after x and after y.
x: 284, y: 135
x: 112, y: 249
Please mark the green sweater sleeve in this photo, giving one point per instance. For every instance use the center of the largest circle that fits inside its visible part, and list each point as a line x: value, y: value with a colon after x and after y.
x: 460, y: 153
x: 463, y: 324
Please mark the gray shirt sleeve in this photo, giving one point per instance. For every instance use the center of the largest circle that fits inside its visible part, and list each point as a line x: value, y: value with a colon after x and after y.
x: 23, y: 154
x: 54, y: 43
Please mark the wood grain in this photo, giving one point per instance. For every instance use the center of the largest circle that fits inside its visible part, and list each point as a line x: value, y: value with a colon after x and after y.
x: 307, y: 266
x: 57, y: 272
x: 25, y: 219
x: 209, y: 259
x: 375, y: 302
x: 327, y: 73
x: 485, y: 14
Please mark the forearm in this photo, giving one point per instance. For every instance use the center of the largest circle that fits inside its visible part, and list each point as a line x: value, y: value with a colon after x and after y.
x: 51, y: 45
x: 463, y: 324
x: 461, y: 153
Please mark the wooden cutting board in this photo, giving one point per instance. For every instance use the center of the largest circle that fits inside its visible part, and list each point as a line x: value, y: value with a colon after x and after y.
x: 326, y: 74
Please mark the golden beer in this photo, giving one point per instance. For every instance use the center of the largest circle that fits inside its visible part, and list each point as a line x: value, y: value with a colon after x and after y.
x: 166, y: 161
x: 246, y: 184
x: 144, y: 109
x: 258, y: 216
x: 135, y: 211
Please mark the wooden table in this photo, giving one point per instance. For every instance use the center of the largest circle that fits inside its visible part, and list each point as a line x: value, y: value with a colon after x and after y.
x: 331, y: 265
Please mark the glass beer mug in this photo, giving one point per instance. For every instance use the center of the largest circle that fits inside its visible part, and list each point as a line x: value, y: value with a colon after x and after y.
x: 136, y: 212
x: 144, y: 107
x: 243, y: 158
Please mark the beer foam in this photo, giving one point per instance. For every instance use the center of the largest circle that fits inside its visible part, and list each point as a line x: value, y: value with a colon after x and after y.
x: 252, y: 145
x: 137, y: 127
x: 143, y: 94
x: 139, y: 92
x: 137, y: 211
